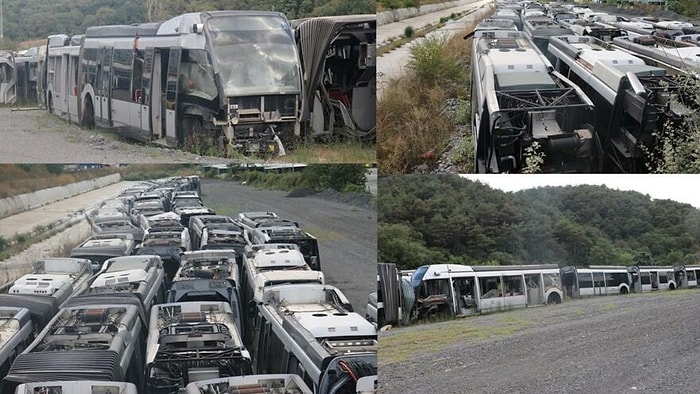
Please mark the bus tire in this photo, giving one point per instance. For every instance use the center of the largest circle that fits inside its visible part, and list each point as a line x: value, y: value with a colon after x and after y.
x: 554, y: 298
x: 623, y: 290
x: 672, y: 286
x: 88, y: 115
x: 50, y: 104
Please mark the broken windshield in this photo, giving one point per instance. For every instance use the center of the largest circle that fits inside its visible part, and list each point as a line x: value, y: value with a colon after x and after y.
x: 256, y: 55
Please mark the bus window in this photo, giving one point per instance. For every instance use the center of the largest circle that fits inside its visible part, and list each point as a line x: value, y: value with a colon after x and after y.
x: 196, y: 75
x: 490, y: 287
x: 513, y: 285
x: 585, y: 281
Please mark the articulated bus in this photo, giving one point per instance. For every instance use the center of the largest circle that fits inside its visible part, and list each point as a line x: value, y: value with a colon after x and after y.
x: 523, y: 110
x: 77, y: 387
x: 303, y: 329
x: 595, y: 280
x: 280, y: 383
x: 227, y: 76
x: 645, y: 279
x: 93, y: 338
x: 463, y: 290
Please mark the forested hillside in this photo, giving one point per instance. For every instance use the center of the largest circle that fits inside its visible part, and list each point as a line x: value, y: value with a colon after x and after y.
x: 34, y: 19
x: 445, y: 218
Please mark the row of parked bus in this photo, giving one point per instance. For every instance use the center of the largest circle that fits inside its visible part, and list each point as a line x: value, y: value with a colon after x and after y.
x: 577, y: 91
x: 229, y: 76
x: 162, y: 314
x: 459, y: 290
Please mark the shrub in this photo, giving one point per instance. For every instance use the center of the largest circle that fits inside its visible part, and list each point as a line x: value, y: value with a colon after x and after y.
x: 409, y: 32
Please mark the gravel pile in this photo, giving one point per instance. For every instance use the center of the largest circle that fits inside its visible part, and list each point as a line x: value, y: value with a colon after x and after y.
x: 638, y: 343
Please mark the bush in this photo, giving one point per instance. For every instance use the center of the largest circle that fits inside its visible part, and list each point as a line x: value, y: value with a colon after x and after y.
x: 431, y: 63
x: 3, y: 243
x: 409, y: 32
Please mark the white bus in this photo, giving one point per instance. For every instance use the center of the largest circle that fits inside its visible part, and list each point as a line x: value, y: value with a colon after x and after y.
x: 61, y: 75
x: 229, y: 78
x: 77, y: 387
x: 282, y: 383
x: 595, y: 280
x: 651, y: 278
x: 192, y: 341
x: 304, y: 329
x: 462, y: 290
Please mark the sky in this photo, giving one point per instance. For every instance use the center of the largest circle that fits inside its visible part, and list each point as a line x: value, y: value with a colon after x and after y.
x: 683, y: 188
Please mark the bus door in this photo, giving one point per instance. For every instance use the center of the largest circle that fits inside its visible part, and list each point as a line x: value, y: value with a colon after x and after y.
x: 171, y: 88
x: 535, y: 289
x: 104, y: 84
x: 149, y: 88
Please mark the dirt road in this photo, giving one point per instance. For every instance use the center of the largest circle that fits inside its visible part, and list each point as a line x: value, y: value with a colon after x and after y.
x: 616, y: 344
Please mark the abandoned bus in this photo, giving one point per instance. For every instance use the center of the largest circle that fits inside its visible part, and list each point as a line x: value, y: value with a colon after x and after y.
x: 280, y: 383
x: 524, y: 115
x: 595, y: 280
x: 61, y: 76
x: 692, y: 272
x: 339, y: 59
x: 16, y: 333
x: 632, y: 99
x: 7, y: 78
x: 93, y: 338
x: 462, y: 290
x: 191, y: 341
x: 645, y: 279
x: 303, y: 329
x: 227, y: 76
x: 27, y: 64
x: 77, y: 387
x: 142, y: 275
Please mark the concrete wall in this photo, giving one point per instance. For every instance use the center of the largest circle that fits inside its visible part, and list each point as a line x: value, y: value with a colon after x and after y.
x: 400, y: 14
x: 23, y: 202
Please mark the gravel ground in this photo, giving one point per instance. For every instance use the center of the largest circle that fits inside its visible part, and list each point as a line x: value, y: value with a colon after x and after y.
x: 638, y: 343
x: 35, y: 136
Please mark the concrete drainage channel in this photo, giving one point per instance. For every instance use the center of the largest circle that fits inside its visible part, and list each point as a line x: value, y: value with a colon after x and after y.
x: 73, y: 232
x: 63, y: 234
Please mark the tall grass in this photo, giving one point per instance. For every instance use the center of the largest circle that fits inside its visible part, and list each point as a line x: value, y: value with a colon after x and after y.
x: 412, y: 120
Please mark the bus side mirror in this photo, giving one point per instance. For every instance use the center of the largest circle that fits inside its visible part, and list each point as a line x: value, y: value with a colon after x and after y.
x: 197, y: 28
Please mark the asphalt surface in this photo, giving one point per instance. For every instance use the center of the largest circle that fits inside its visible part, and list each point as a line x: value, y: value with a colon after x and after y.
x: 617, y: 344
x: 347, y: 235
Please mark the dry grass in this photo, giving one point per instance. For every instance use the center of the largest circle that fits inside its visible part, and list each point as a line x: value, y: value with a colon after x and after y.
x: 381, y: 7
x: 413, y: 124
x: 18, y: 179
x: 335, y: 152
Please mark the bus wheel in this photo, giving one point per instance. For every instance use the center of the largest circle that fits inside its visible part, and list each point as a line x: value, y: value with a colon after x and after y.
x: 672, y: 286
x: 50, y: 105
x: 623, y: 291
x: 554, y: 299
x: 88, y: 116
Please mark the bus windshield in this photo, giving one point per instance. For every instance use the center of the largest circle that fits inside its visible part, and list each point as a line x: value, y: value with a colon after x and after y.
x: 256, y: 55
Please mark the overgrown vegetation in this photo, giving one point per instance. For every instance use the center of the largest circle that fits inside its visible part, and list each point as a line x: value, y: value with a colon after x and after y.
x: 412, y: 117
x: 33, y: 19
x: 344, y: 178
x: 455, y: 220
x: 23, y: 178
x: 143, y: 172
